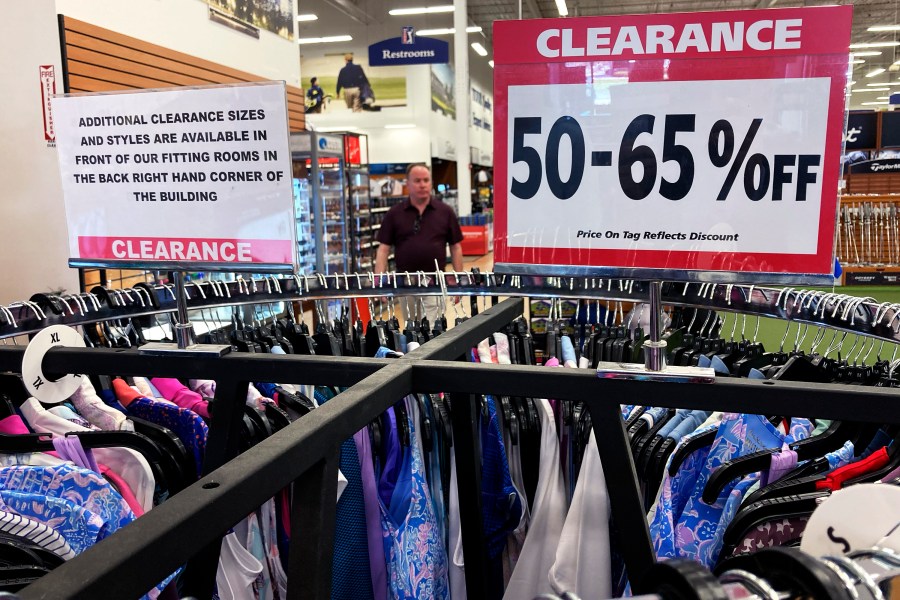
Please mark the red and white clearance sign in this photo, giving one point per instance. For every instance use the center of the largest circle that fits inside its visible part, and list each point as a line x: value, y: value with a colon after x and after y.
x: 693, y: 141
x: 183, y: 177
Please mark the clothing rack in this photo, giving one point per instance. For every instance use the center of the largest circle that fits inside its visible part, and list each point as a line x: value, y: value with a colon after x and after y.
x: 189, y: 526
x: 831, y: 309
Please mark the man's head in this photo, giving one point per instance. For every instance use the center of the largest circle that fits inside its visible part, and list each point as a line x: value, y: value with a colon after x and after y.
x: 418, y: 182
x: 313, y: 81
x: 348, y: 57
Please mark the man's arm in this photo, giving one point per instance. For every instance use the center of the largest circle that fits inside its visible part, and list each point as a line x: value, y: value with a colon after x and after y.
x: 381, y: 258
x: 456, y: 256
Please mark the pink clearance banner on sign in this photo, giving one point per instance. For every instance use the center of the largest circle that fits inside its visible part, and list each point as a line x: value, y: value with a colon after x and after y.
x: 688, y: 146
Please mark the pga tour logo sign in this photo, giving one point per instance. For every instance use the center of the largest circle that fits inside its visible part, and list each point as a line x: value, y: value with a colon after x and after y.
x: 408, y: 35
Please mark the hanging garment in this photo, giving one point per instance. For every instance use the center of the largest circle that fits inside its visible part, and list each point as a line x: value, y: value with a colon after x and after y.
x: 238, y: 571
x: 269, y: 527
x: 37, y: 533
x: 516, y: 538
x: 548, y: 518
x: 66, y: 412
x: 249, y: 533
x: 582, y: 563
x: 190, y: 428
x: 457, y: 575
x: 377, y: 562
x: 91, y: 407
x: 351, y: 572
x: 129, y: 464
x: 674, y: 494
x: 174, y: 391
x: 501, y: 505
x: 700, y: 530
x: 416, y: 560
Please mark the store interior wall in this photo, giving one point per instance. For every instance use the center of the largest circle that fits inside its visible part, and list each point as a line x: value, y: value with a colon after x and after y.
x: 184, y: 25
x: 34, y: 254
x: 34, y: 250
x: 434, y: 133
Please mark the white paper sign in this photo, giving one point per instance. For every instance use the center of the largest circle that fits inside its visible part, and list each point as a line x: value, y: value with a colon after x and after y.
x: 719, y: 166
x: 200, y: 177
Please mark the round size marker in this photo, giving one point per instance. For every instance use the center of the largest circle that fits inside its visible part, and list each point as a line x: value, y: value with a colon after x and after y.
x: 51, y: 391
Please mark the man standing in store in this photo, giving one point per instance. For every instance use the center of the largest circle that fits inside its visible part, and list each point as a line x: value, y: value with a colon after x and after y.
x: 315, y: 95
x: 419, y: 229
x: 352, y: 79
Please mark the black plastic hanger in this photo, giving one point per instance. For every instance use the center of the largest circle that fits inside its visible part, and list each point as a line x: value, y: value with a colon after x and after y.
x: 695, y: 443
x: 790, y: 570
x: 757, y: 513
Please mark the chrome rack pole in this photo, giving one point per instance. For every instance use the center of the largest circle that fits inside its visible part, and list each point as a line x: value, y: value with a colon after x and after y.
x: 655, y: 348
x: 183, y: 330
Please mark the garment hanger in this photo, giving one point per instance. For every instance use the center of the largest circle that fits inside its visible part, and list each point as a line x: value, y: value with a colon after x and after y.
x: 680, y: 579
x: 808, y: 449
x: 180, y: 468
x: 402, y: 417
x: 327, y: 343
x: 790, y: 570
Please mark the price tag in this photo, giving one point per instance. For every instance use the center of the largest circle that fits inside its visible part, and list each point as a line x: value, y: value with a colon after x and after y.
x: 681, y: 143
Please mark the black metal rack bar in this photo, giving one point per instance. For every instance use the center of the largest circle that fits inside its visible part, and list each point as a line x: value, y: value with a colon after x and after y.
x: 833, y: 309
x: 176, y: 531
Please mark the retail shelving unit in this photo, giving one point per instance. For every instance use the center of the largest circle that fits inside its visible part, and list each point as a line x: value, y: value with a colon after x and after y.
x: 359, y: 203
x: 388, y: 187
x: 319, y: 159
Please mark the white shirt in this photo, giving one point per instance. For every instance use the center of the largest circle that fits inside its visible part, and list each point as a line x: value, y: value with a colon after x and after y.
x: 531, y: 576
x: 582, y: 558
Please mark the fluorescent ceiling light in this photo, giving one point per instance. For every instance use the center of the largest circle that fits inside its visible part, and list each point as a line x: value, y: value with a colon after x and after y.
x: 875, y: 72
x: 882, y: 103
x: 858, y: 62
x: 448, y: 30
x: 868, y: 53
x: 877, y: 84
x: 490, y: 62
x: 874, y: 45
x: 562, y: 8
x: 400, y: 126
x: 881, y: 89
x: 884, y: 28
x: 336, y: 128
x: 479, y: 49
x: 325, y: 40
x: 309, y: 17
x: 883, y: 98
x: 397, y: 12
x: 850, y: 82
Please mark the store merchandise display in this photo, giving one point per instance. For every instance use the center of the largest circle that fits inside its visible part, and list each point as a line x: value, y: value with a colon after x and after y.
x: 553, y: 502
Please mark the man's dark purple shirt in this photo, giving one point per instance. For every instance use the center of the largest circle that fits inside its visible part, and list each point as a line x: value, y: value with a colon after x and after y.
x: 417, y: 247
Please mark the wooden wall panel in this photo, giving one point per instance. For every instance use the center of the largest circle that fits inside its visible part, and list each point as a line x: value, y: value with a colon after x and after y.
x: 100, y: 60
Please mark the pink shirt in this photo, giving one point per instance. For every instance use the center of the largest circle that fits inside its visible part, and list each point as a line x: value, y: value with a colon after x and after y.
x: 175, y: 391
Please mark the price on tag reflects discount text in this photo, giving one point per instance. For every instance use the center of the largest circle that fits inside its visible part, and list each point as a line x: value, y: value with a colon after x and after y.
x: 786, y: 176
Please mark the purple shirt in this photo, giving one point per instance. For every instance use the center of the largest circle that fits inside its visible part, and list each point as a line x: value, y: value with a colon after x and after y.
x: 419, y: 240
x: 377, y: 562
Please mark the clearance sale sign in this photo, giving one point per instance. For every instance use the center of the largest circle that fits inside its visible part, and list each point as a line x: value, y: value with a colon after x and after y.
x: 178, y: 178
x: 688, y: 146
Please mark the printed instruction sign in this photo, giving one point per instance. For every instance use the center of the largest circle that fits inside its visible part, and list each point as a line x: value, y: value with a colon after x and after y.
x: 678, y: 143
x: 200, y: 177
